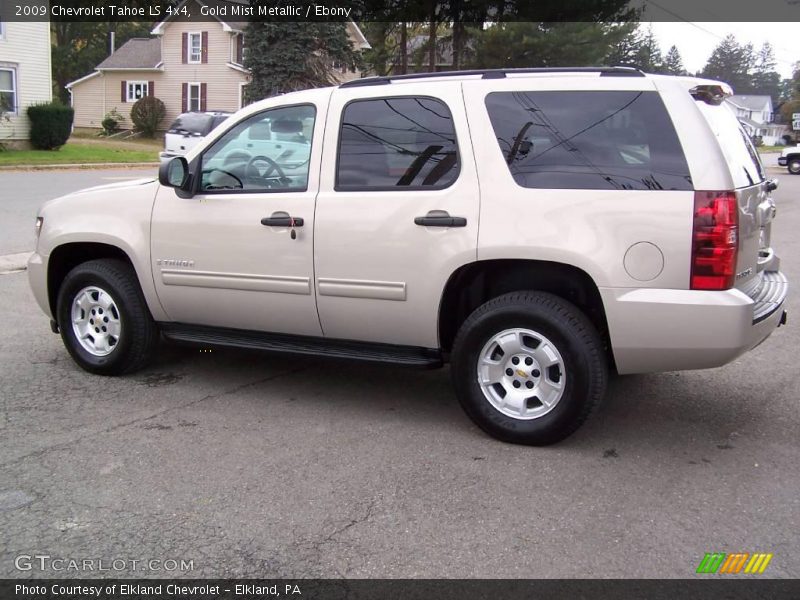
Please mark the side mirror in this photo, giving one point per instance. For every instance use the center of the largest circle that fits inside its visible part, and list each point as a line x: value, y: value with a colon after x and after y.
x: 173, y: 172
x: 772, y: 185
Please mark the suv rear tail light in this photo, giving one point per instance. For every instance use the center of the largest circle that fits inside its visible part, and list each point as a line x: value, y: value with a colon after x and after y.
x: 715, y: 240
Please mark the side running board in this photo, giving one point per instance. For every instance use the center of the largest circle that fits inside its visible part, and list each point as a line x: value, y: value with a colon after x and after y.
x: 409, y: 356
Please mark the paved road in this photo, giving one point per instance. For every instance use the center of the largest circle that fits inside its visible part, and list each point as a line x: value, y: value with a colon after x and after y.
x: 23, y: 192
x: 259, y: 466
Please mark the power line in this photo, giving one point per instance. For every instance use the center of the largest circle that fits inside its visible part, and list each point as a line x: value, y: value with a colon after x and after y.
x: 718, y: 36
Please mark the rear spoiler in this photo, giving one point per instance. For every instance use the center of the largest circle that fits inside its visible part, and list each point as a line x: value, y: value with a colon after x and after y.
x: 711, y: 94
x: 709, y: 91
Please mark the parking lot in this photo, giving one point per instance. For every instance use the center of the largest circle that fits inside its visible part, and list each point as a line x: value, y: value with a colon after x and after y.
x: 253, y: 465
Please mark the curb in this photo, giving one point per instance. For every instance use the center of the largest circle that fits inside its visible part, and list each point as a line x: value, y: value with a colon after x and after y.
x: 14, y: 263
x: 58, y: 167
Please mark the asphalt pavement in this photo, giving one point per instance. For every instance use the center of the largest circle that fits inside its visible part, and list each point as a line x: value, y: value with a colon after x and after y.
x: 254, y: 465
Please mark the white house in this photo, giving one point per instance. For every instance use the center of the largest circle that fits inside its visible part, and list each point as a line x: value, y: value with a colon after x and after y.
x: 25, y: 76
x: 755, y: 113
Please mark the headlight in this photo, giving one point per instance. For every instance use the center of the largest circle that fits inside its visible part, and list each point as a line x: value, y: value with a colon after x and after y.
x: 37, y: 229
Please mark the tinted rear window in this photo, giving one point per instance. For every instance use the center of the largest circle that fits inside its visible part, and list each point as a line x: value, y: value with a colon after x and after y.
x: 588, y: 140
x: 198, y: 123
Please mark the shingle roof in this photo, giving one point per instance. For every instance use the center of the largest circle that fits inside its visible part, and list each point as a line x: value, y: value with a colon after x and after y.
x: 136, y: 53
x: 751, y: 123
x: 751, y: 102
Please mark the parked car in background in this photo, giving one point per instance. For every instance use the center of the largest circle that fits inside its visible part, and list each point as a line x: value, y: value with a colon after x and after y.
x: 189, y: 129
x: 790, y: 158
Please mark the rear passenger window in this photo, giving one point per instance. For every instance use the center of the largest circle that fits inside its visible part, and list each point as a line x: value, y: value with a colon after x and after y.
x: 396, y: 143
x: 588, y: 140
x: 742, y: 158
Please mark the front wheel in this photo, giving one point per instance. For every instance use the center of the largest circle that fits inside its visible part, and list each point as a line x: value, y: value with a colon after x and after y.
x: 794, y: 166
x: 104, y: 320
x: 528, y: 368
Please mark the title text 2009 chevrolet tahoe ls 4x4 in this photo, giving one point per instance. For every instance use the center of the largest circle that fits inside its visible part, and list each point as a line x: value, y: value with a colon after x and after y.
x: 534, y: 228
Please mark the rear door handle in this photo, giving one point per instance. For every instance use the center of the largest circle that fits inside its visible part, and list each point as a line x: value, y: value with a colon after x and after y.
x: 440, y: 218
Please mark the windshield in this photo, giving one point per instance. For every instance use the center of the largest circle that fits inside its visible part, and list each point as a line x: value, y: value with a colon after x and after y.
x: 192, y: 123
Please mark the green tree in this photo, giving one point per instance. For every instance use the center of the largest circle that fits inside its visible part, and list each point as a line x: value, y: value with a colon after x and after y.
x: 78, y: 47
x: 649, y: 53
x: 383, y: 37
x: 732, y: 63
x: 288, y: 56
x: 791, y: 104
x: 766, y: 80
x: 525, y: 44
x: 637, y: 48
x: 673, y: 63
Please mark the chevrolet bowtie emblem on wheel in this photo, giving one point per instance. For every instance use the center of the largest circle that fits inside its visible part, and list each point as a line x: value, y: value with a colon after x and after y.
x: 521, y: 373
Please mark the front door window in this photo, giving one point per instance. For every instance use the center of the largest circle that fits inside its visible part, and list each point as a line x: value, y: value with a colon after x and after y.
x: 269, y: 151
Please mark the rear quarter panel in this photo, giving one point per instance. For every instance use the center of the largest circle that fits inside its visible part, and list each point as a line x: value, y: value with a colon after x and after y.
x: 589, y: 229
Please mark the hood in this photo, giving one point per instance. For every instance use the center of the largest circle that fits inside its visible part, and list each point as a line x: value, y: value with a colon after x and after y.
x: 119, y: 185
x: 790, y: 150
x: 120, y: 191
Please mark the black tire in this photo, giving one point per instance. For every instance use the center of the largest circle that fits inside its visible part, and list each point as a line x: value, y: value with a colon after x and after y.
x: 575, y: 338
x: 794, y: 166
x: 139, y: 335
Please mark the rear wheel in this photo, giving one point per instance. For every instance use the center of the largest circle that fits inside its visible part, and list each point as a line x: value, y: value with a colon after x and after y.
x: 528, y: 368
x: 104, y: 320
x: 794, y: 166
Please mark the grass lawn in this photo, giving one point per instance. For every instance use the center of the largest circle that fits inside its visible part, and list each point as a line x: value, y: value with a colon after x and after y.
x: 770, y: 149
x: 81, y: 151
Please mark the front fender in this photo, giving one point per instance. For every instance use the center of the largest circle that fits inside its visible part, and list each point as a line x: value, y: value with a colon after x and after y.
x: 118, y: 217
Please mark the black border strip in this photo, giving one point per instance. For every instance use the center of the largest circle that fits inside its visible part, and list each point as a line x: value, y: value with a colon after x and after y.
x: 711, y: 587
x: 473, y: 11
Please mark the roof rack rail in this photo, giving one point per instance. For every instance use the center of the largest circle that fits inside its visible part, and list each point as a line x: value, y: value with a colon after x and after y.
x: 495, y: 74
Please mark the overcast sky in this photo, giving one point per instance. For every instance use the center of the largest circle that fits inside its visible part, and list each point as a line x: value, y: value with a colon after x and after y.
x: 696, y: 41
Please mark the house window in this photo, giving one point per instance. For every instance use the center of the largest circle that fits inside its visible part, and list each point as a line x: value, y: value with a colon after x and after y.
x: 193, y: 98
x: 239, y: 49
x: 195, y: 47
x: 137, y: 90
x: 8, y: 90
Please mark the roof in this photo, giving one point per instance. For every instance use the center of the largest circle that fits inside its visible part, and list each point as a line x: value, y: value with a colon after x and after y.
x: 751, y: 102
x: 750, y: 123
x: 82, y: 79
x: 136, y: 53
x: 438, y: 76
x: 756, y: 125
x: 218, y: 7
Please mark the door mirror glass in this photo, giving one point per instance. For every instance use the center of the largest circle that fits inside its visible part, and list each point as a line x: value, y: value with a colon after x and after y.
x: 173, y: 172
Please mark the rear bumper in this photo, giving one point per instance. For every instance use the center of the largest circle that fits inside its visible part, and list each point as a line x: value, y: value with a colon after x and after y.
x: 672, y: 330
x: 782, y: 161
